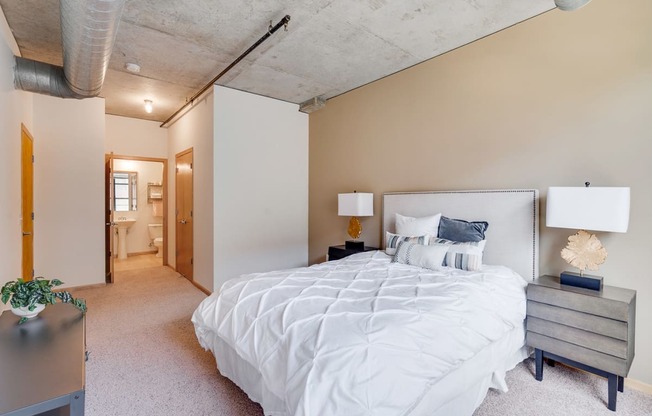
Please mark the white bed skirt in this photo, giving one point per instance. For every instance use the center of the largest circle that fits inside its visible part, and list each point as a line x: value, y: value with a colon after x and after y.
x: 442, y: 399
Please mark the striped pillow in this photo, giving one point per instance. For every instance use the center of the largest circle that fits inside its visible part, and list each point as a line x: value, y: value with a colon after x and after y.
x: 463, y: 256
x: 413, y: 254
x: 392, y: 241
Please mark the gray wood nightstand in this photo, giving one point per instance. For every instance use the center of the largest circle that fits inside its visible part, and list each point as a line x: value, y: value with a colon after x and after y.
x: 588, y: 329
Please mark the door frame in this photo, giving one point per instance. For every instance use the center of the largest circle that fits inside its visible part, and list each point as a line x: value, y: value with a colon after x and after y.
x: 176, y: 209
x: 109, y: 224
x: 27, y: 259
x: 164, y: 182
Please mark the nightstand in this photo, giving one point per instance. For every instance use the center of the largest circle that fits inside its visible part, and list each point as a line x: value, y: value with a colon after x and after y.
x: 339, y: 252
x: 587, y: 329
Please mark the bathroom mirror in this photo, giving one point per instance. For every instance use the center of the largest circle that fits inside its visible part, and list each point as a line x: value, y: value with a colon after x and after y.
x: 125, y: 191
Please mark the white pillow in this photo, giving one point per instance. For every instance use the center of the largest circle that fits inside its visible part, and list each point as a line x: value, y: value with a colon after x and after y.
x: 393, y: 240
x: 411, y: 226
x: 414, y: 254
x: 463, y: 256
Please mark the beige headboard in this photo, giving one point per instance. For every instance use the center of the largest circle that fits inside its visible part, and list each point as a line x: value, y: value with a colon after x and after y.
x: 512, y: 214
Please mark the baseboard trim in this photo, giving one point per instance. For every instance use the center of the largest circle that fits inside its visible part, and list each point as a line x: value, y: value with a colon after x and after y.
x: 629, y: 382
x: 141, y: 253
x: 638, y: 385
x: 84, y: 287
x: 200, y: 287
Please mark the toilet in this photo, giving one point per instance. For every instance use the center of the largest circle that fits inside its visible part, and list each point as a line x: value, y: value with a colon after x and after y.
x: 156, y: 235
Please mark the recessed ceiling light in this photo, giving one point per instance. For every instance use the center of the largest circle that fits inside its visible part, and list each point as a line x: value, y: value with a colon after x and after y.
x: 148, y: 106
x: 132, y: 67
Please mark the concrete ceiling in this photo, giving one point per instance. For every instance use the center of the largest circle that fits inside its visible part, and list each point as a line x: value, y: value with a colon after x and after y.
x: 330, y: 47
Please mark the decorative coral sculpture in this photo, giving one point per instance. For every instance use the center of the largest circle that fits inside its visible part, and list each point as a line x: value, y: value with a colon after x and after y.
x: 584, y: 251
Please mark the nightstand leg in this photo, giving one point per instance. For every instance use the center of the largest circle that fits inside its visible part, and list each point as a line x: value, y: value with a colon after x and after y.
x: 538, y: 358
x: 621, y: 384
x: 612, y: 386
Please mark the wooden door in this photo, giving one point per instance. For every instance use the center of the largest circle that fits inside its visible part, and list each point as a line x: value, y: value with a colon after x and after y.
x: 27, y: 197
x: 184, y: 220
x: 109, y: 230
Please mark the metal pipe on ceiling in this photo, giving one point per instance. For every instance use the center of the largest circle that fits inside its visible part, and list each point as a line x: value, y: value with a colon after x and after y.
x: 270, y: 31
x: 88, y: 30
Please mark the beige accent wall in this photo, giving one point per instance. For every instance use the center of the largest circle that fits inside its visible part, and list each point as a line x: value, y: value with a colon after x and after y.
x: 558, y: 100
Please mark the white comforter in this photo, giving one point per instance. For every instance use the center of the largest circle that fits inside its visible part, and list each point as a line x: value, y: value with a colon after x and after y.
x: 360, y: 336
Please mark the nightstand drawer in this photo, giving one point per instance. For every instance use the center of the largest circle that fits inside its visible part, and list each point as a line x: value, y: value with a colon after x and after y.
x: 586, y: 339
x: 581, y: 320
x: 583, y: 300
x: 583, y: 355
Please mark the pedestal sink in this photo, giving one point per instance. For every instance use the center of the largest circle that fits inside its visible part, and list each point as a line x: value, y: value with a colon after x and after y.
x: 123, y: 225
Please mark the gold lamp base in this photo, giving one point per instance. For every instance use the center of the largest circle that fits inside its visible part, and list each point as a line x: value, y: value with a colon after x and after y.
x: 355, y: 228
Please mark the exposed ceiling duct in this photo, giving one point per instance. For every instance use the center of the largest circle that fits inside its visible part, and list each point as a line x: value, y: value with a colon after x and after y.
x: 570, y: 5
x: 88, y: 30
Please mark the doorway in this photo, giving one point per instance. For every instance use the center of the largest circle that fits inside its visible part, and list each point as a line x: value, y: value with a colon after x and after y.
x: 184, y: 214
x: 27, y: 202
x: 137, y: 206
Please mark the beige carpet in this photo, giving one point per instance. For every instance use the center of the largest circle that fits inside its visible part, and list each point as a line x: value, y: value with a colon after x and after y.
x: 144, y: 356
x: 145, y: 360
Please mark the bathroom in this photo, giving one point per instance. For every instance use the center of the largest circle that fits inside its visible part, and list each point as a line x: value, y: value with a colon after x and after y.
x: 138, y: 196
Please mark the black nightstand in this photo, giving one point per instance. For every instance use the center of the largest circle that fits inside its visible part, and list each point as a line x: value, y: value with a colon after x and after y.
x: 339, y: 252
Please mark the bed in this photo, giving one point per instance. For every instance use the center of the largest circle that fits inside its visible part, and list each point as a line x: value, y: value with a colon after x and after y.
x: 368, y: 336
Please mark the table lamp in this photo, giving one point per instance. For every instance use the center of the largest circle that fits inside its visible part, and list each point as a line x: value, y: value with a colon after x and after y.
x: 586, y: 208
x: 357, y: 204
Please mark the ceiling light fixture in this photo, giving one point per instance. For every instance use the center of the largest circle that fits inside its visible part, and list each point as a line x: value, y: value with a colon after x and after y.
x: 148, y: 106
x: 132, y: 67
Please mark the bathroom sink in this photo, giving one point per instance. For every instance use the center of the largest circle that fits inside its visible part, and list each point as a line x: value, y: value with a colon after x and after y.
x: 125, y: 223
x: 122, y: 226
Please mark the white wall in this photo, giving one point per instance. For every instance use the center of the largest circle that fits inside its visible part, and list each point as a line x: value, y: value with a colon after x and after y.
x: 133, y: 137
x: 138, y: 234
x: 195, y: 130
x: 69, y: 189
x: 260, y: 185
x: 14, y: 110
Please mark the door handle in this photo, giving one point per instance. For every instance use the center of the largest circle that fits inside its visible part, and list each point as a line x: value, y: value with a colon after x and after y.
x: 183, y: 221
x: 26, y: 234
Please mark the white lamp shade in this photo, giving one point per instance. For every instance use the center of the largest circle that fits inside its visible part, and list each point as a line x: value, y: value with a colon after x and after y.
x: 588, y: 208
x: 357, y: 204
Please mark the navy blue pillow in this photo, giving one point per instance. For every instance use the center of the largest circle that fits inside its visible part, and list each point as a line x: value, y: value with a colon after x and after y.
x: 462, y: 231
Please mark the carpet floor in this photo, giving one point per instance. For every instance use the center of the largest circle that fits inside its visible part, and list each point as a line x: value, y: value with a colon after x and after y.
x: 145, y: 360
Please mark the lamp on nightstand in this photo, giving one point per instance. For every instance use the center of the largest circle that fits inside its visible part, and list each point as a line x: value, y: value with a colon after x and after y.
x: 586, y: 208
x: 357, y: 204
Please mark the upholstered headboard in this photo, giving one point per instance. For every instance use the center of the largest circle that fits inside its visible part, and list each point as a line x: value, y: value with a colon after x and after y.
x: 512, y: 214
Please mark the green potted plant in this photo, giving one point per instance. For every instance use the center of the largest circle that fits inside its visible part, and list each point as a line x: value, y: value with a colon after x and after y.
x: 28, y: 298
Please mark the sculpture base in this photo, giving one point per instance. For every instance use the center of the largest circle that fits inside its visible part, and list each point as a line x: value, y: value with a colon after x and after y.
x: 577, y: 280
x: 354, y: 245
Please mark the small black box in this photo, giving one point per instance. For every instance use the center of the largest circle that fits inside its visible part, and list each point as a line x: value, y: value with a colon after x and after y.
x: 586, y: 282
x: 354, y: 245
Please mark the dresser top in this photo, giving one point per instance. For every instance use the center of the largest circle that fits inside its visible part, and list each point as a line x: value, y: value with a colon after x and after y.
x: 607, y: 292
x: 53, y: 345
